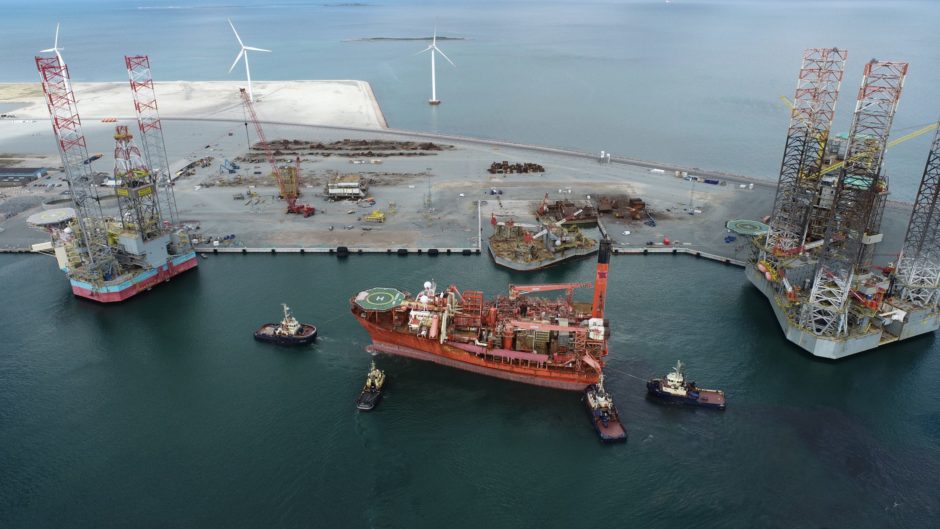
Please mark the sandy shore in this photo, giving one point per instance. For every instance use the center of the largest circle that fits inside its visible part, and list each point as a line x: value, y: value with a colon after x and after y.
x: 342, y: 103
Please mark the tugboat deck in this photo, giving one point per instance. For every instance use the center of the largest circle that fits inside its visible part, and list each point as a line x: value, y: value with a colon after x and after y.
x: 613, y: 432
x: 270, y: 329
x: 712, y: 397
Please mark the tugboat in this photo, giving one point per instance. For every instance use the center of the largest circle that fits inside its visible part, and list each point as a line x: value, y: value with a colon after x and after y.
x: 604, y: 417
x: 372, y: 390
x: 674, y: 388
x: 288, y: 332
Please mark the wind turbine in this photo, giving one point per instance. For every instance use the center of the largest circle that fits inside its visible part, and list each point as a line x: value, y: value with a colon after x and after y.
x: 56, y: 49
x: 241, y: 53
x: 433, y: 48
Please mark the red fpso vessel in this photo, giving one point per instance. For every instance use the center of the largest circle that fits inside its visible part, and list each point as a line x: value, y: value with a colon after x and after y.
x: 555, y: 343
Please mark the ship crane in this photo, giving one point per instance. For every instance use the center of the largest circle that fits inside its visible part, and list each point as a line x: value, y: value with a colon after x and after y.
x: 556, y: 224
x: 516, y: 290
x: 289, y: 189
x: 543, y: 207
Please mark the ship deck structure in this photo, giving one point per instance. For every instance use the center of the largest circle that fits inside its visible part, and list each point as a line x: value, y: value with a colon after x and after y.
x: 525, y: 247
x: 555, y: 343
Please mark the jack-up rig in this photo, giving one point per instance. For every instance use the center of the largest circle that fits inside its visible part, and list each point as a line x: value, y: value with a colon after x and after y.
x: 815, y: 264
x: 108, y: 259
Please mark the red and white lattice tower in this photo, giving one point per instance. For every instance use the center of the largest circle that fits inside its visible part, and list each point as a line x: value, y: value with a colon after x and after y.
x: 814, y: 106
x: 96, y: 257
x: 151, y: 132
x: 854, y: 221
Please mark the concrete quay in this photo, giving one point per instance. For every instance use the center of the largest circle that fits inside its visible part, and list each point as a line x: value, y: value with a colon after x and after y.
x: 439, y: 199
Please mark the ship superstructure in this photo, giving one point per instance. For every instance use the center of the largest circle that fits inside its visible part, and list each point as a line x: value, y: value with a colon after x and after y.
x: 111, y: 259
x: 816, y: 264
x: 556, y: 343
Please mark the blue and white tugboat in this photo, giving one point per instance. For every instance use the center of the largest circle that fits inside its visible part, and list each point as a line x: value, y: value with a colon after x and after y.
x: 674, y: 388
x: 603, y: 413
x: 288, y: 332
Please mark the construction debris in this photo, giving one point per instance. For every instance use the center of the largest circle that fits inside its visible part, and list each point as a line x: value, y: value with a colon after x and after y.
x: 621, y: 207
x: 374, y: 150
x: 583, y: 213
x: 505, y: 167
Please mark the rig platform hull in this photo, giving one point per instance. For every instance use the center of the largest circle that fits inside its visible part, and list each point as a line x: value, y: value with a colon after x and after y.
x: 569, y: 255
x: 124, y: 288
x: 917, y: 322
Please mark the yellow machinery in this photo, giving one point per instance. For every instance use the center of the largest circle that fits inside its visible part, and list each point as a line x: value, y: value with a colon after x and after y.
x: 375, y: 216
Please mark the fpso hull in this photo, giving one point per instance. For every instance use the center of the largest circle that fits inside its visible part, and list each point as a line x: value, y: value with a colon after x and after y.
x: 111, y: 293
x: 400, y: 344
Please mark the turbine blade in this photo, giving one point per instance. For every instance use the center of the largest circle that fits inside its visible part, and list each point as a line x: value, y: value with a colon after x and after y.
x: 56, y: 44
x: 237, y: 58
x: 240, y: 43
x: 256, y: 49
x: 50, y: 50
x: 424, y: 50
x: 434, y: 38
x: 445, y: 56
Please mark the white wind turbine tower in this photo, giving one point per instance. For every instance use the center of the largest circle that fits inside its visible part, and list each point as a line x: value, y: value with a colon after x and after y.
x: 433, y: 48
x: 56, y: 49
x: 241, y: 53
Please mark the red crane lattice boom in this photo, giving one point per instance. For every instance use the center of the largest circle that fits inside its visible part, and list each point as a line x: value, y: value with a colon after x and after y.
x: 289, y: 192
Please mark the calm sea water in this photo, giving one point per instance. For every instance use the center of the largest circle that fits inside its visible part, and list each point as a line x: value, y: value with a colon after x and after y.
x: 164, y: 412
x: 691, y: 81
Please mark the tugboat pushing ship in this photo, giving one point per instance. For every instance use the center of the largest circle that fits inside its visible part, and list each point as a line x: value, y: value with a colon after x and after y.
x: 603, y: 413
x: 288, y: 332
x: 371, y: 392
x: 673, y: 388
x: 554, y: 343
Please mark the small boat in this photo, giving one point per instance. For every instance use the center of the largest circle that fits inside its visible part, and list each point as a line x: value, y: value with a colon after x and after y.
x: 372, y: 390
x: 674, y: 388
x: 204, y: 256
x: 603, y: 413
x: 288, y: 332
